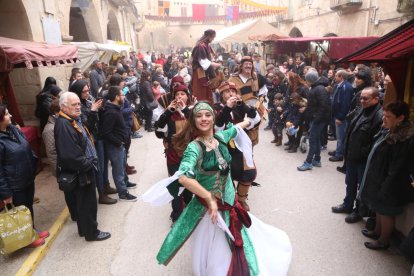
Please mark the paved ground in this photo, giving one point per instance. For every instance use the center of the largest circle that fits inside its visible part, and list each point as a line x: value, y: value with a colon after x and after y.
x: 296, y: 202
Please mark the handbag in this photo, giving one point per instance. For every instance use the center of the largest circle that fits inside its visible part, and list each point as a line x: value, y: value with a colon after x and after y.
x: 16, y: 229
x: 135, y: 125
x: 67, y: 181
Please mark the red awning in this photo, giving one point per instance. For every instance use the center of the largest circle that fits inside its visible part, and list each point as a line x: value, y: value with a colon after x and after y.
x: 393, y: 51
x: 19, y: 53
x: 338, y: 46
x: 397, y: 44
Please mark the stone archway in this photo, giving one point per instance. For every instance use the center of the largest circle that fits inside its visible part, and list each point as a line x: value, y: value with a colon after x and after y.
x: 14, y: 22
x: 113, y: 29
x: 295, y: 32
x: 330, y: 35
x: 84, y: 22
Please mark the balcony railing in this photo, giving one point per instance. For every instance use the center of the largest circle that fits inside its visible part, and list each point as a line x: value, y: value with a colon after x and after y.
x: 344, y: 5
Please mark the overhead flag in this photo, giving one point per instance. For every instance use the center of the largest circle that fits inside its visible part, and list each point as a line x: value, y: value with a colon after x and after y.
x: 199, y: 12
x: 232, y: 13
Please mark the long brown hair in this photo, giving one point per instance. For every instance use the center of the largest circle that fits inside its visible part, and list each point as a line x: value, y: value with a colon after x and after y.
x: 295, y: 81
x: 189, y: 132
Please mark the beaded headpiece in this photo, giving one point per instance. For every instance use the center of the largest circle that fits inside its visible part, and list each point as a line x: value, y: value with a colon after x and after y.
x: 202, y: 106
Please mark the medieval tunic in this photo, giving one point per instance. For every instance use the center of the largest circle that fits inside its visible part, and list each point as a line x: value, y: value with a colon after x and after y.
x: 226, y: 116
x: 266, y: 249
x: 202, y: 72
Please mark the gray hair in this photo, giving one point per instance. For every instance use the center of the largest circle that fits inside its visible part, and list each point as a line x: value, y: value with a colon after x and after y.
x: 63, y: 99
x: 312, y: 76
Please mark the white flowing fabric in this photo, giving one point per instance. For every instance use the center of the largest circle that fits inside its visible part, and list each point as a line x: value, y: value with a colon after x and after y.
x: 211, y: 254
x: 158, y: 194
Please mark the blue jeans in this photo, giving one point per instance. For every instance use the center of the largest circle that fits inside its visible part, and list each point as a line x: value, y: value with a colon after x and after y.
x: 117, y: 157
x: 340, y: 138
x: 315, y: 131
x: 353, y: 178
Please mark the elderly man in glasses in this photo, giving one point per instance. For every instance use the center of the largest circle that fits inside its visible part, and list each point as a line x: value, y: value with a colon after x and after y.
x: 358, y: 141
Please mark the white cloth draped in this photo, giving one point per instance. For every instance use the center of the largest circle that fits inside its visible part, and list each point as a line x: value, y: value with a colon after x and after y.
x: 211, y: 254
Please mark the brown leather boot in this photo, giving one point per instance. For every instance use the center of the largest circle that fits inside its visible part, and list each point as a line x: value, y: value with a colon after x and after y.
x: 242, y: 192
x: 130, y: 171
x: 104, y: 199
x: 130, y: 167
x: 108, y: 190
x: 278, y: 142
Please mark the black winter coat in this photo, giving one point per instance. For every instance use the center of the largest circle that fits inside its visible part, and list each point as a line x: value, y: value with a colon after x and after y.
x: 146, y: 94
x: 17, y: 162
x: 387, y: 186
x: 360, y: 133
x: 319, y: 105
x: 70, y: 147
x: 113, y: 125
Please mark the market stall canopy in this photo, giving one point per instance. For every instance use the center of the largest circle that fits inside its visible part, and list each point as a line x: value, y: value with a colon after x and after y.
x: 19, y: 53
x: 397, y: 44
x: 338, y: 46
x: 90, y: 51
x: 246, y: 32
x: 394, y: 51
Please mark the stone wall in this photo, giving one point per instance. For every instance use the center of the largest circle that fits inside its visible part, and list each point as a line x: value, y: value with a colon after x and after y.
x: 28, y: 83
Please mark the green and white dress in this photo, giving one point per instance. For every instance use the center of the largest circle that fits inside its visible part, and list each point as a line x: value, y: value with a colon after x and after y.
x: 267, y: 249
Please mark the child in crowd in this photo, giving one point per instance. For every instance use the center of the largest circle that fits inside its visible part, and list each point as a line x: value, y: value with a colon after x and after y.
x: 294, y: 121
x: 278, y: 119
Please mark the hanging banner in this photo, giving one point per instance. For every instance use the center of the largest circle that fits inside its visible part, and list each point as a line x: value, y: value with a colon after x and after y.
x: 199, y: 12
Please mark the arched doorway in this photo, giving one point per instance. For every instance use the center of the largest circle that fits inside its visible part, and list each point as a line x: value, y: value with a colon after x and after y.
x: 84, y: 22
x: 330, y: 35
x: 113, y: 30
x: 77, y: 26
x: 295, y: 32
x: 13, y: 20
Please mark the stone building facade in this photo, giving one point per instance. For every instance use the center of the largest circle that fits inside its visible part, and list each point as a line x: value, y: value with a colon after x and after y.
x: 63, y: 21
x: 341, y: 17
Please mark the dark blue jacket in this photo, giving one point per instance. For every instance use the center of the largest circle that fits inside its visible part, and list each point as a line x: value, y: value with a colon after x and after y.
x: 17, y: 163
x: 342, y: 100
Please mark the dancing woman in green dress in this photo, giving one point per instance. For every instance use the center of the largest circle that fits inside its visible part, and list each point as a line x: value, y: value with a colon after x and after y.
x: 226, y: 240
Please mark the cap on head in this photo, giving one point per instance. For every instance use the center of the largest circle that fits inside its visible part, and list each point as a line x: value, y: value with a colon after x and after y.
x: 246, y: 59
x: 181, y: 87
x: 227, y: 86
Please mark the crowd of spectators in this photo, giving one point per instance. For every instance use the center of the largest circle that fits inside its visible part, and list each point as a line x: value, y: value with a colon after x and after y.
x: 306, y: 105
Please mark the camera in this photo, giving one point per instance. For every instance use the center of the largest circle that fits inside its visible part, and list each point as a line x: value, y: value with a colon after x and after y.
x: 172, y: 109
x: 239, y: 102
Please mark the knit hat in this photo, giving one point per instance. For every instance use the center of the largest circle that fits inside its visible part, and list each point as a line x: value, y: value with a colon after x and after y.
x: 312, y: 76
x: 177, y: 79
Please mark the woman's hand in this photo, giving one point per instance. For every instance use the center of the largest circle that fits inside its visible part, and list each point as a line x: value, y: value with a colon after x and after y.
x: 8, y: 200
x: 96, y: 105
x: 212, y: 209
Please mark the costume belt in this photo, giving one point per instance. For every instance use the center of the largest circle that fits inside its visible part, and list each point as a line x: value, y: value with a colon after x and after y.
x: 238, y: 218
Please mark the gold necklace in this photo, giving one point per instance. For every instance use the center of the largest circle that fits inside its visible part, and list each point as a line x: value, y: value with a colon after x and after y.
x: 209, y: 142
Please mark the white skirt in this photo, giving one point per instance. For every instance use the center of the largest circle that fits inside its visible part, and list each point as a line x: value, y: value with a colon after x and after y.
x: 211, y: 254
